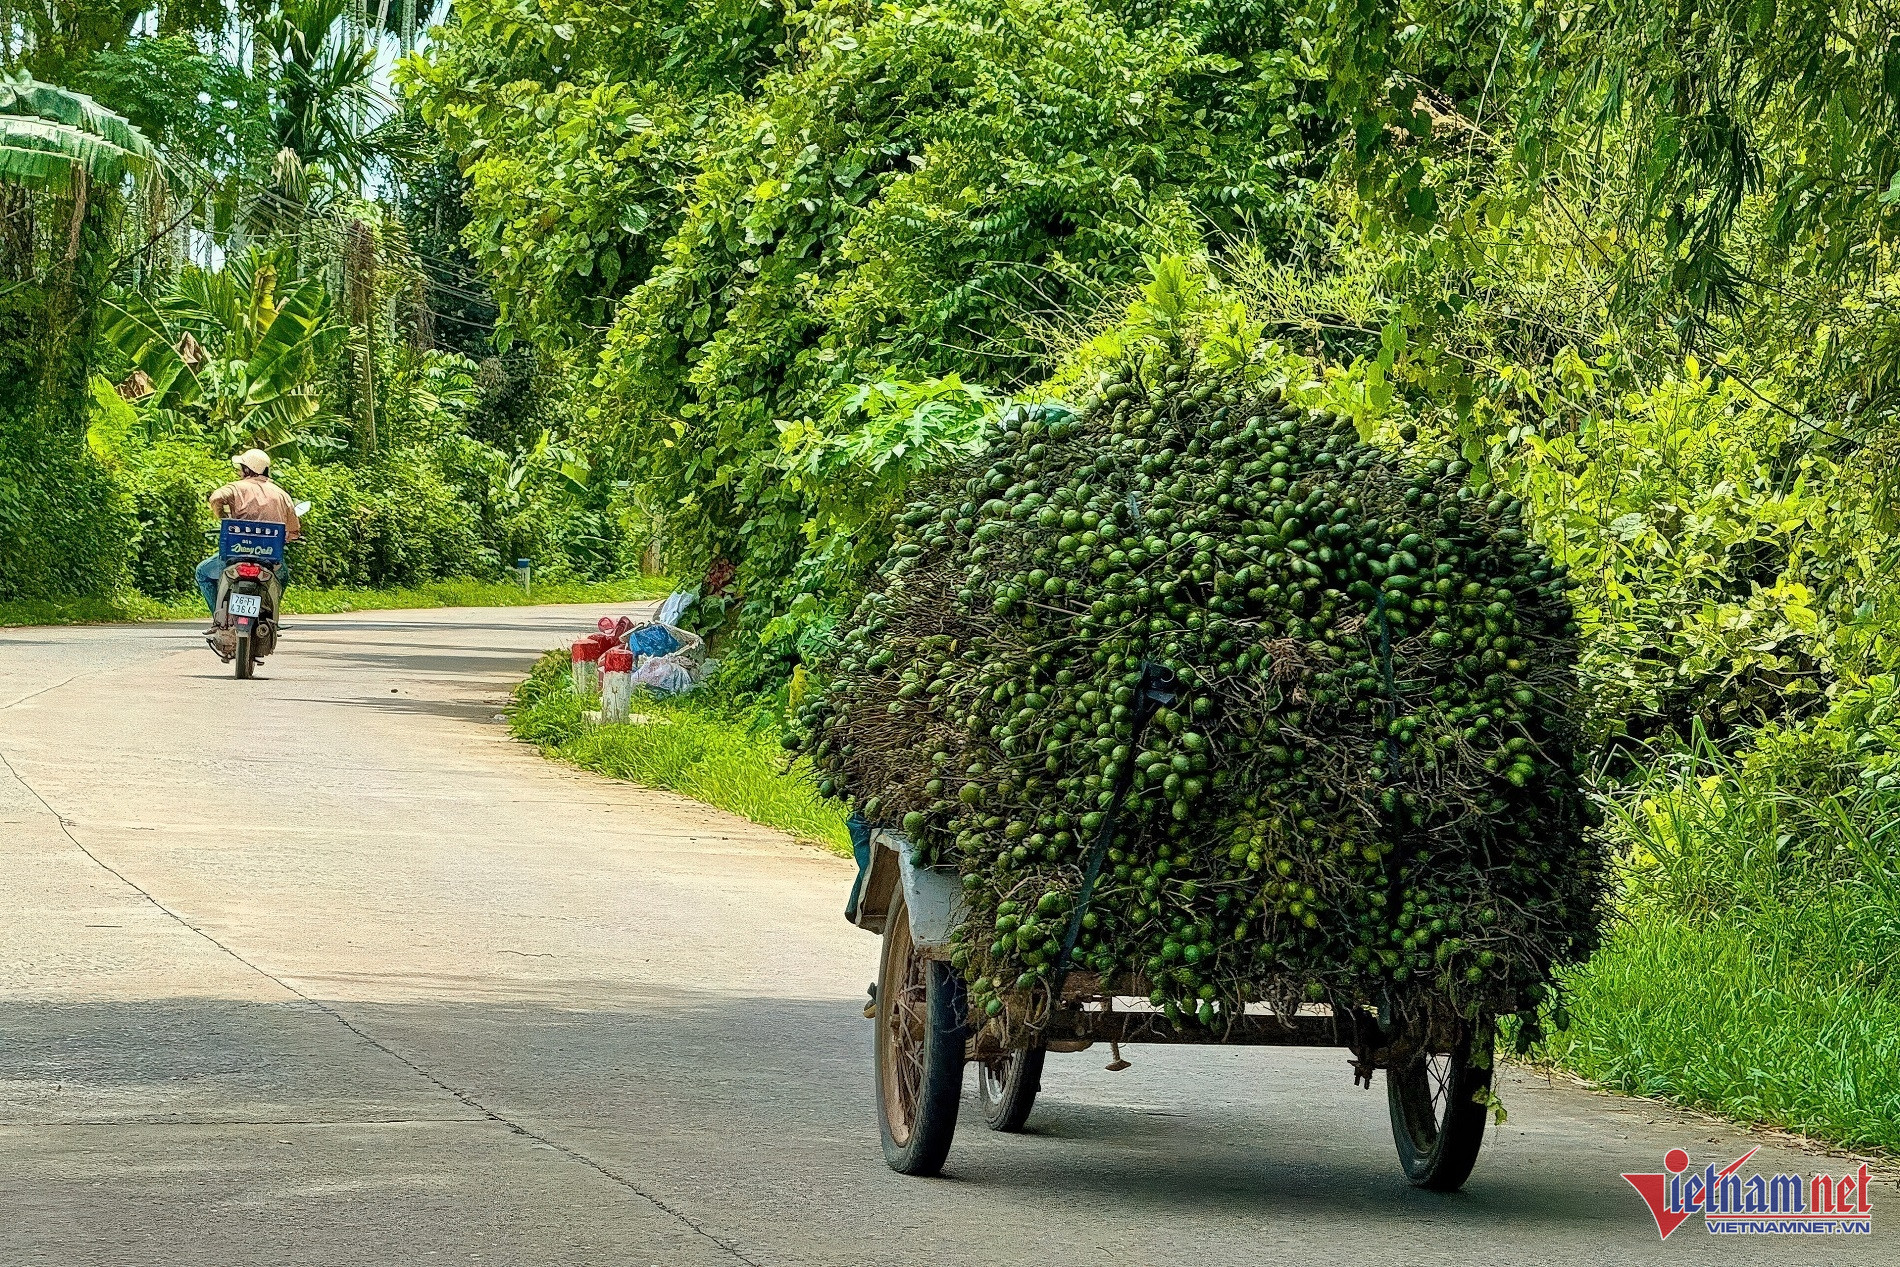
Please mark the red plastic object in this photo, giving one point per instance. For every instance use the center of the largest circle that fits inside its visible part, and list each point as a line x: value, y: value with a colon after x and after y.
x: 601, y: 642
x: 250, y: 571
x: 616, y: 660
x: 605, y: 624
x: 585, y: 650
x: 622, y: 625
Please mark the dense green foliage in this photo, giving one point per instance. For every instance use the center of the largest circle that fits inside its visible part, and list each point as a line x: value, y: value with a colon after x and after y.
x: 768, y: 217
x: 1754, y: 971
x: 166, y: 485
x: 306, y: 328
x: 264, y: 334
x: 62, y: 520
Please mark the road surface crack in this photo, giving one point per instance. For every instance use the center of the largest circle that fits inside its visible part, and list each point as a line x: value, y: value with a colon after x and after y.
x: 488, y: 1114
x: 35, y: 695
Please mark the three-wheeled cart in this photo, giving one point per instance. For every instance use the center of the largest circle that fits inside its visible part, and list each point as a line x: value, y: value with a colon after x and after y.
x: 1436, y: 1084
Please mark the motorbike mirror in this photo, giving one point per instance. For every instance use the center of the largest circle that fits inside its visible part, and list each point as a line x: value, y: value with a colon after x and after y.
x: 302, y: 508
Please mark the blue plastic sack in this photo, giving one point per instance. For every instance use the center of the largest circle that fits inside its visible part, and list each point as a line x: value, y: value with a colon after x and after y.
x: 650, y: 640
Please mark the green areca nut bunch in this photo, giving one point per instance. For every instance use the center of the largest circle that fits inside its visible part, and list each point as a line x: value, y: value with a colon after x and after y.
x: 1366, y: 790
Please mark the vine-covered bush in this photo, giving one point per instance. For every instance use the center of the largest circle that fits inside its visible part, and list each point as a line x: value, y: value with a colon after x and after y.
x: 393, y: 523
x: 63, y: 523
x: 165, y: 486
x: 766, y: 217
x: 406, y: 518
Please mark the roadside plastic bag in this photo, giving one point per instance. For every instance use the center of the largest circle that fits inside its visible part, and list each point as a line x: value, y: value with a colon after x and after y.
x: 652, y: 640
x: 674, y: 607
x: 691, y: 649
x: 668, y: 640
x: 664, y: 675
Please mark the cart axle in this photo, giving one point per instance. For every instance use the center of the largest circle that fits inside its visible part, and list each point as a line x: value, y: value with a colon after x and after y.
x: 1072, y: 1030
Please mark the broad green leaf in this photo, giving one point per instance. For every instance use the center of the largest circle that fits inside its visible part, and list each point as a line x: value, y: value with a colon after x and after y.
x: 21, y: 94
x: 44, y: 154
x: 282, y: 355
x: 138, y: 330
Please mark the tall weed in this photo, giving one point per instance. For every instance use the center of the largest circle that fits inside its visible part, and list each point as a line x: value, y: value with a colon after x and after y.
x: 1756, y: 968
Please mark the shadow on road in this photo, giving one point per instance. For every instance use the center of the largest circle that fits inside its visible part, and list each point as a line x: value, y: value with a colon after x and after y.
x: 731, y: 1108
x: 471, y: 710
x: 455, y: 661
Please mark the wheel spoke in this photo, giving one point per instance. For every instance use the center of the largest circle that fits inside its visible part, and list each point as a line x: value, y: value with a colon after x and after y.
x: 905, y: 1031
x: 1438, y: 1135
x: 993, y: 1077
x: 1438, y: 1072
x: 910, y: 1025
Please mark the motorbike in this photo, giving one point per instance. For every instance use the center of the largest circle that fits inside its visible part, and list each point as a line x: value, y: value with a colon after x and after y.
x: 245, y: 626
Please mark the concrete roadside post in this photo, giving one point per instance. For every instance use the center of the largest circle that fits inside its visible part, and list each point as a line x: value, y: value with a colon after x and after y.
x: 616, y: 684
x: 586, y: 659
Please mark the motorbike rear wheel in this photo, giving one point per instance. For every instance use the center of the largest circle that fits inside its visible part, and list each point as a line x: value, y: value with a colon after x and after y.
x: 243, y: 658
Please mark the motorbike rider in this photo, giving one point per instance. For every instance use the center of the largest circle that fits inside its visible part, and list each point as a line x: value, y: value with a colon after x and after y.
x: 255, y: 497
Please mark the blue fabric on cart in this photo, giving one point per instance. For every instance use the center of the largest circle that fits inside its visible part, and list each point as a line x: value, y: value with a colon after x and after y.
x: 861, y: 852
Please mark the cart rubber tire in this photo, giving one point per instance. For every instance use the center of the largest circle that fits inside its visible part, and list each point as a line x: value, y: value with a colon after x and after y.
x: 919, y: 1041
x: 1436, y: 1122
x: 1007, y: 1090
x: 243, y: 657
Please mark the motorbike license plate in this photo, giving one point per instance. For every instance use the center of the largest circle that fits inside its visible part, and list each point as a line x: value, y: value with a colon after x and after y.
x: 247, y: 604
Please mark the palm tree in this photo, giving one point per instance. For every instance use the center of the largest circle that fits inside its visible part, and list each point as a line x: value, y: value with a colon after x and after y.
x: 327, y: 115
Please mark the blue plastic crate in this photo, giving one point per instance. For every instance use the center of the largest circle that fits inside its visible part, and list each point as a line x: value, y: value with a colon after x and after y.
x: 250, y: 540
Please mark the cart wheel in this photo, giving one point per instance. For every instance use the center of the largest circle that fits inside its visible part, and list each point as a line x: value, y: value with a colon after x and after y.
x: 1436, y: 1122
x: 920, y: 1006
x: 1007, y: 1086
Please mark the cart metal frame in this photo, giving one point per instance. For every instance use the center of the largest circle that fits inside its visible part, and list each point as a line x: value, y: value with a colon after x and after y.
x: 1437, y: 1099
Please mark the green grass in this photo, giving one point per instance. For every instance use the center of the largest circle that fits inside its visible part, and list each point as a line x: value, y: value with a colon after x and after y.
x: 1763, y: 1019
x: 467, y: 593
x: 1755, y: 968
x: 301, y: 601
x: 99, y: 610
x: 697, y: 745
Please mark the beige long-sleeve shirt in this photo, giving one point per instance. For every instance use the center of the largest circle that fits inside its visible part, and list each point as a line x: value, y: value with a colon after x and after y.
x: 255, y: 498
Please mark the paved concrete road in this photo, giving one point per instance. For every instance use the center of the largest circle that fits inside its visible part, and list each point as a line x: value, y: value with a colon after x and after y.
x: 321, y: 969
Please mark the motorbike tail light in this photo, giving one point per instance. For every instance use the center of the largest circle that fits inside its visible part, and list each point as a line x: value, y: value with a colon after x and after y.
x: 249, y: 571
